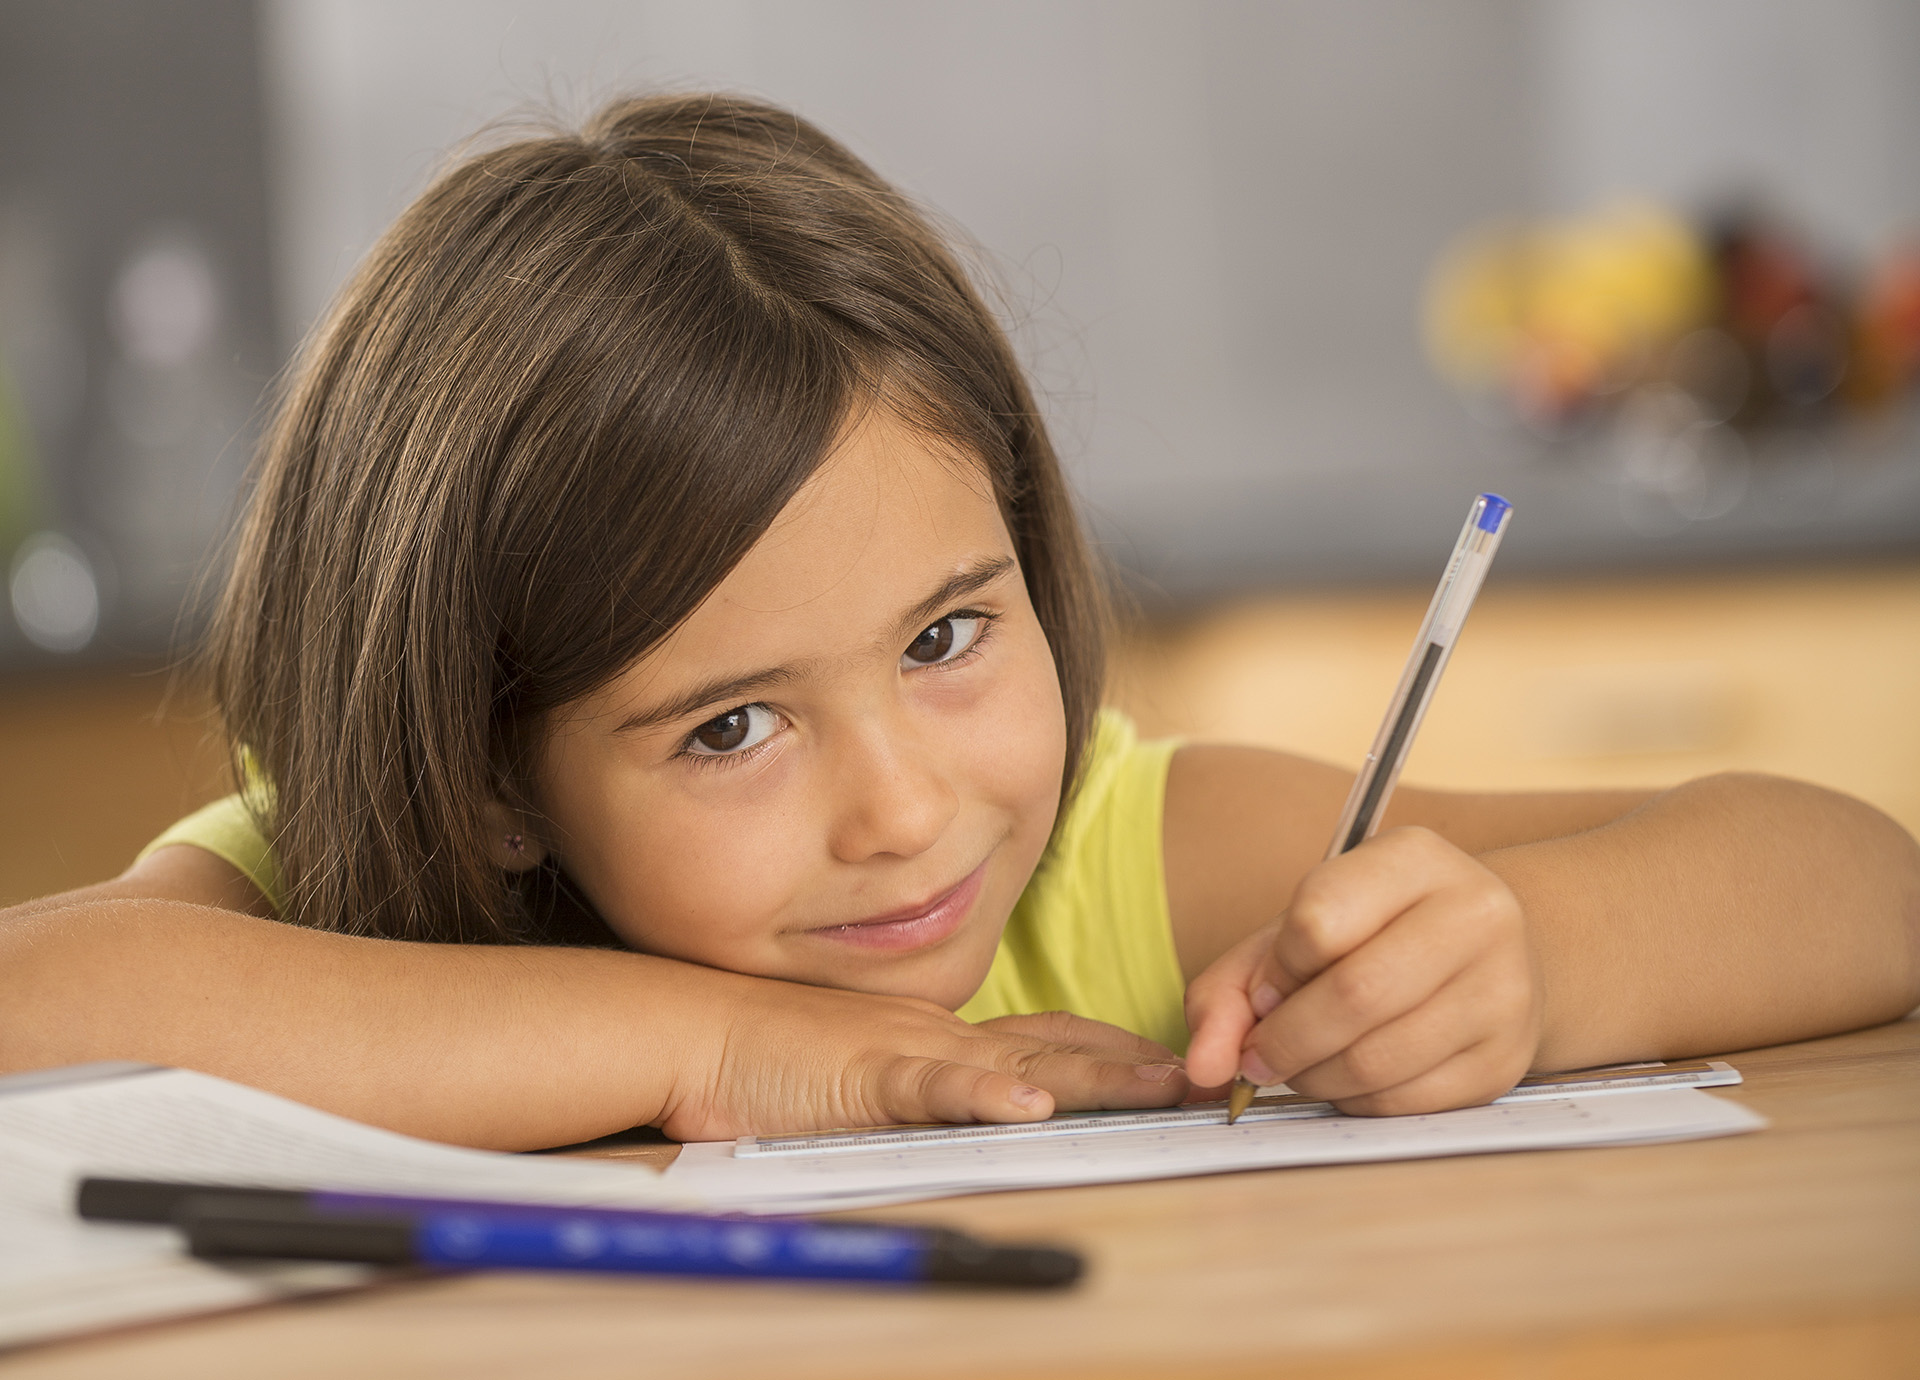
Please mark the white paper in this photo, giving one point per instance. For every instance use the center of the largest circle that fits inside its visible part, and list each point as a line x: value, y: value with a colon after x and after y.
x: 60, y: 1274
x: 856, y: 1178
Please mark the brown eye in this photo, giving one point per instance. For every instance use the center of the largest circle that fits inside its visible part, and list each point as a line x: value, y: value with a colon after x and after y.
x: 723, y: 734
x: 745, y: 727
x: 933, y: 644
x: 945, y: 640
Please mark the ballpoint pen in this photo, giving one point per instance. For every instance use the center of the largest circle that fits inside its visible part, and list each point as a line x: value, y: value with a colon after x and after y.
x: 1367, y: 801
x: 228, y: 1221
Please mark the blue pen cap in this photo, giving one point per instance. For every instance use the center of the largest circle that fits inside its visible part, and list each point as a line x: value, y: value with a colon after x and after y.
x: 1490, y: 516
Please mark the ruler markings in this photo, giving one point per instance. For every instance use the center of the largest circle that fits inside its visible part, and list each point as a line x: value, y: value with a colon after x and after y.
x: 1273, y: 1107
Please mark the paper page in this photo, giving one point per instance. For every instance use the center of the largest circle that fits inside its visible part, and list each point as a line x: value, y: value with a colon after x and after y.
x: 59, y: 1274
x: 847, y: 1178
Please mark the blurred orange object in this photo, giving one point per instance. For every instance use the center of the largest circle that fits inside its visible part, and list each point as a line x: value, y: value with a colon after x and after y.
x: 1557, y: 314
x: 1886, y: 351
x: 1558, y: 319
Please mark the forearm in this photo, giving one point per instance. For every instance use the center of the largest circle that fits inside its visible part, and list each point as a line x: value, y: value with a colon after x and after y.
x: 509, y: 1048
x: 1727, y: 913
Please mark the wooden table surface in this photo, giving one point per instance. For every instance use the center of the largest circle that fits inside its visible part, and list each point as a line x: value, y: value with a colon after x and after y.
x: 1791, y: 1252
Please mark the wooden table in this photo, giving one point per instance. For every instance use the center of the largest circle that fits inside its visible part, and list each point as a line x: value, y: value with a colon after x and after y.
x: 1792, y: 1253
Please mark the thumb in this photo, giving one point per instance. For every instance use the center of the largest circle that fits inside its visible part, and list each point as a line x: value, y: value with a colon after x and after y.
x: 1220, y: 1009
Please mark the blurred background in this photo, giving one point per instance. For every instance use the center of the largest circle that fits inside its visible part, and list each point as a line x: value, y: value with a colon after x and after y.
x: 1295, y: 281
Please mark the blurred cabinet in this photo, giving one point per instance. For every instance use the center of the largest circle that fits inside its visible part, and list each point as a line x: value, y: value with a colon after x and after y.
x: 92, y: 766
x: 1813, y: 674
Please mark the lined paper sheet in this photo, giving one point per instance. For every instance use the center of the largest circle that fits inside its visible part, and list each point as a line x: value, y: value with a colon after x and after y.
x: 842, y: 1178
x: 59, y: 1274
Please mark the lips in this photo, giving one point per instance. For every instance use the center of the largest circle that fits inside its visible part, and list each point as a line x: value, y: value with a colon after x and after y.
x: 911, y: 929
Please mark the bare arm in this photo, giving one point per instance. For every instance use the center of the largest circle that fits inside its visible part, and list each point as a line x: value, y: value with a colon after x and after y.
x: 1244, y: 825
x: 509, y: 1048
x: 1728, y: 912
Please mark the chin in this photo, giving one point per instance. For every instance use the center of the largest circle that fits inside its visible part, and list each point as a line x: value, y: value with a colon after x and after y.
x: 936, y: 982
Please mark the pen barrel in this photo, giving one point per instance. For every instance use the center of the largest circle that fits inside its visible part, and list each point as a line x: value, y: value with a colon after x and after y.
x: 242, y: 1225
x: 724, y: 1247
x: 1446, y: 613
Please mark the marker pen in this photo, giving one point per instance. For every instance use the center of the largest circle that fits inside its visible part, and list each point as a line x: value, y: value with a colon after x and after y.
x: 290, y: 1224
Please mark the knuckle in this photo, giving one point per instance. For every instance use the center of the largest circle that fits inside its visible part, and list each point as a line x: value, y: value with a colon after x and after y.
x: 1393, y: 1102
x: 1374, y: 1063
x: 1057, y: 1026
x: 1281, y: 1050
x: 920, y: 1080
x: 1496, y: 906
x: 1312, y: 931
x: 927, y: 1008
x: 1416, y: 840
x: 1028, y: 1065
x: 1357, y: 986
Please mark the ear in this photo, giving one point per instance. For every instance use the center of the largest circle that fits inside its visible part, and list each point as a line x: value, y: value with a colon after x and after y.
x: 510, y: 834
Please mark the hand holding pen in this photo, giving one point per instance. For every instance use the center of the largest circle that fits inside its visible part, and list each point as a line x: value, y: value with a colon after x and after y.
x: 1399, y: 978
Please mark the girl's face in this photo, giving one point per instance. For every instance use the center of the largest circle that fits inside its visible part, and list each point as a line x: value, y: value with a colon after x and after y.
x: 843, y: 768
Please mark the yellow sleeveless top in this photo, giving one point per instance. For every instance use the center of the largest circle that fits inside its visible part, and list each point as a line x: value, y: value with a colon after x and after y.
x: 1091, y: 933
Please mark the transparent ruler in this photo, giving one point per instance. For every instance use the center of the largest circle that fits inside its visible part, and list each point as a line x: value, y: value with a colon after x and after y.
x: 1705, y: 1073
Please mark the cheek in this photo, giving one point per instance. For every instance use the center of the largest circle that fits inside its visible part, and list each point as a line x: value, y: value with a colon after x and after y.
x: 675, y: 874
x: 1016, y: 738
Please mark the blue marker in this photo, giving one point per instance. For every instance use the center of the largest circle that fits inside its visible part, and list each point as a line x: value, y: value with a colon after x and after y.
x: 1466, y: 571
x: 222, y: 1222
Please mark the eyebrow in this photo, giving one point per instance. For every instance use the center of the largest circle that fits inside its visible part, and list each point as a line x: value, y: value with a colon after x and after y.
x: 954, y: 588
x: 970, y: 580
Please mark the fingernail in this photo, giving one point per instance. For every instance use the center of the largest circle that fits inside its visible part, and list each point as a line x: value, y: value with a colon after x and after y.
x: 1024, y: 1096
x: 1255, y: 1069
x: 1265, y: 997
x: 1155, y: 1073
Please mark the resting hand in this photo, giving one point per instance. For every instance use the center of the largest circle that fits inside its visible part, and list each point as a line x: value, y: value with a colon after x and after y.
x: 795, y: 1058
x: 1398, y: 981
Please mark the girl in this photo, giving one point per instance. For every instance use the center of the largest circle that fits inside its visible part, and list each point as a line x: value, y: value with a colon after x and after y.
x: 665, y: 674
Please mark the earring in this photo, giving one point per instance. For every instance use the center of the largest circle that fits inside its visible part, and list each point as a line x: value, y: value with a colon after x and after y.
x: 516, y: 843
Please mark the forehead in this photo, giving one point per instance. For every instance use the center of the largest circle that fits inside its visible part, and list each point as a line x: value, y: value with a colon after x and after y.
x: 887, y: 499
x: 889, y: 515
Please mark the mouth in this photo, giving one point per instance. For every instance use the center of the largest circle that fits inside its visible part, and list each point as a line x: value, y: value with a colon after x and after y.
x: 915, y: 928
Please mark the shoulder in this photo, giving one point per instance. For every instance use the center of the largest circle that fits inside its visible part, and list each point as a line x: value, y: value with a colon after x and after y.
x: 1242, y: 826
x: 1120, y: 776
x: 1090, y: 933
x: 218, y: 852
x: 1114, y: 812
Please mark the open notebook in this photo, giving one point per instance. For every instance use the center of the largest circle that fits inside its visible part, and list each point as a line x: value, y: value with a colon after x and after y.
x: 59, y: 1275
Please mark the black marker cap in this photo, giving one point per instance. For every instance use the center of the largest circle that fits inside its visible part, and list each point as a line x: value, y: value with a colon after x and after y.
x: 966, y: 1261
x: 152, y: 1200
x: 222, y: 1225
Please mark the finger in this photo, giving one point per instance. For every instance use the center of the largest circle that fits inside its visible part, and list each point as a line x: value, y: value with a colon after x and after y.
x: 1084, y: 1033
x: 1081, y: 1081
x: 1472, y: 1008
x: 1470, y: 1078
x: 1345, y: 901
x: 1220, y: 1012
x: 911, y: 1088
x: 1400, y: 968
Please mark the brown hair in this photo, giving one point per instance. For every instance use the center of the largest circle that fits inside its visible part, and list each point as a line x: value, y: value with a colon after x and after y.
x: 562, y: 397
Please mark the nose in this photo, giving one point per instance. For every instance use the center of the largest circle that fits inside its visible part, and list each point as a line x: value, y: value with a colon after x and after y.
x: 891, y: 796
